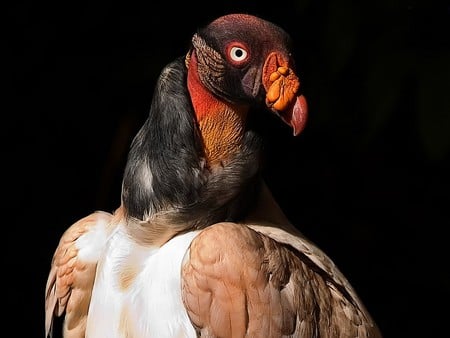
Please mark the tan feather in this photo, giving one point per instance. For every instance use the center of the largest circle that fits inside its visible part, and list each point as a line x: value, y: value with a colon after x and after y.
x: 259, y: 280
x: 69, y: 284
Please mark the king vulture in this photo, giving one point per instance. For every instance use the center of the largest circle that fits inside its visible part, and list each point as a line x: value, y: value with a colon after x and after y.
x: 198, y: 247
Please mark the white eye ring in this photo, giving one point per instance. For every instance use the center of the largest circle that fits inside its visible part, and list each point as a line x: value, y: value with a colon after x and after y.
x: 238, y: 54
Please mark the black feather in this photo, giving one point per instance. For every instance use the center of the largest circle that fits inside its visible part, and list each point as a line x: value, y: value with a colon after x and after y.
x: 165, y: 162
x: 166, y: 172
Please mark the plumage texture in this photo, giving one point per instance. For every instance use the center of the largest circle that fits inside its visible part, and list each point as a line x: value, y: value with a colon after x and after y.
x: 70, y: 281
x: 198, y: 246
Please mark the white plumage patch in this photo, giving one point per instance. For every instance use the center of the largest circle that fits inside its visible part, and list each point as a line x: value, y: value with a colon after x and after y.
x: 91, y: 244
x: 146, y: 178
x: 158, y: 291
x: 150, y: 305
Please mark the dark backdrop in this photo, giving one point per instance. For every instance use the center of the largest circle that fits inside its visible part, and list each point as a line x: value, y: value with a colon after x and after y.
x: 368, y: 179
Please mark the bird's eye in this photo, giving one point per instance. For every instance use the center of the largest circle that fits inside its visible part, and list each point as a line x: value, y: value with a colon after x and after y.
x: 237, y: 53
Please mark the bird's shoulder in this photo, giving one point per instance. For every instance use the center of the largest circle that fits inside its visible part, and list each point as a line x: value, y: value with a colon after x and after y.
x: 261, y: 280
x: 72, y: 271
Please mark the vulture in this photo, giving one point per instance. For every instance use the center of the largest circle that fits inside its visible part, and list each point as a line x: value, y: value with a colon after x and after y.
x: 198, y: 247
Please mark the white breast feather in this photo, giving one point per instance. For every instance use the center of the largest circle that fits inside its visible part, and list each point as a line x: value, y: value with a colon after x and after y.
x: 153, y: 301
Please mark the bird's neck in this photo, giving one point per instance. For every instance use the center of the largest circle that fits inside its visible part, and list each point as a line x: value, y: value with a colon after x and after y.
x: 221, y: 124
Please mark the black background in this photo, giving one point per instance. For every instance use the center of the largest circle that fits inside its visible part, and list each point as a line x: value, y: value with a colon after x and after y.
x: 367, y: 180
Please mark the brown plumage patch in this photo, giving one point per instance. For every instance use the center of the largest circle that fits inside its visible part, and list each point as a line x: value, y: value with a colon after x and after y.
x: 70, y: 281
x: 252, y: 284
x: 127, y: 275
x: 227, y: 300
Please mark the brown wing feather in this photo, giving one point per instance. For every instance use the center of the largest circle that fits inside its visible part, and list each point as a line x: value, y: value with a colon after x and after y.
x: 265, y: 279
x: 226, y: 285
x: 71, y: 277
x: 341, y: 312
x: 247, y: 284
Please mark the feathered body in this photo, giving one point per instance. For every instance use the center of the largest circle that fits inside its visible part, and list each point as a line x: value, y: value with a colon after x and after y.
x: 198, y: 247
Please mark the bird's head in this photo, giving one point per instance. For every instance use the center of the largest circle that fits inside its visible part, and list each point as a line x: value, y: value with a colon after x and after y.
x: 245, y: 60
x: 196, y: 160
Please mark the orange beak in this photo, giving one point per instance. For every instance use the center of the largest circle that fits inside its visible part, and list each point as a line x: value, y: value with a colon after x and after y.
x: 282, y: 92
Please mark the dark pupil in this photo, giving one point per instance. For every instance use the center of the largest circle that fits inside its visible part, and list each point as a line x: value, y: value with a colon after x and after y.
x: 238, y: 53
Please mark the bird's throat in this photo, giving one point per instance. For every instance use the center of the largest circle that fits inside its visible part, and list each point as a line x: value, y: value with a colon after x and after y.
x: 221, y: 124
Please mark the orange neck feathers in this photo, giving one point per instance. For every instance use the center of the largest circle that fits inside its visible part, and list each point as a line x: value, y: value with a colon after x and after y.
x: 221, y: 124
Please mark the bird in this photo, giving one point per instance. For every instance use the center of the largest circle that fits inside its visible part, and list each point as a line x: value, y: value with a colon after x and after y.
x: 198, y: 246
